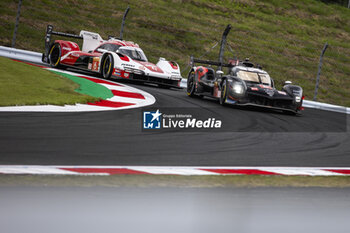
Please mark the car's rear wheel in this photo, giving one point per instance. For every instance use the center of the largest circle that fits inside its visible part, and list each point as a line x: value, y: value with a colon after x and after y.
x: 55, y: 56
x: 224, y: 91
x: 190, y: 84
x: 107, y: 66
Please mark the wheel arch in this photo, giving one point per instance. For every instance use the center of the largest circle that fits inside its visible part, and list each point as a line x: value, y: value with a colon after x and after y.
x: 102, y: 60
x: 66, y: 46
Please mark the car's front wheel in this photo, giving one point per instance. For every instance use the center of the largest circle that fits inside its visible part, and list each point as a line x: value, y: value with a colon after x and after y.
x: 107, y: 66
x: 190, y: 84
x: 224, y: 91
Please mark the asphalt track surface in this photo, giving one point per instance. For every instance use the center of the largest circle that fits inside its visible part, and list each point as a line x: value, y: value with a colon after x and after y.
x: 253, y: 137
x: 173, y: 210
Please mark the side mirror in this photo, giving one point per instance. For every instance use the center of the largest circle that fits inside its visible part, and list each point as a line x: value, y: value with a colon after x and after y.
x: 219, y: 72
x: 101, y: 50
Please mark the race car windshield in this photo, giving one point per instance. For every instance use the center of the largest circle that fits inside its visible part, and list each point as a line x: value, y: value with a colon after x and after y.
x: 254, y: 77
x: 265, y: 79
x: 110, y: 47
x: 134, y: 54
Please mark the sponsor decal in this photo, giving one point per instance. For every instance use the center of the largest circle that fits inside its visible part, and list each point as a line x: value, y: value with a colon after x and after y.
x: 123, y: 64
x: 75, y: 54
x: 95, y: 63
x: 254, y: 89
x: 74, y: 45
x: 66, y: 48
x: 93, y: 36
x: 89, y: 66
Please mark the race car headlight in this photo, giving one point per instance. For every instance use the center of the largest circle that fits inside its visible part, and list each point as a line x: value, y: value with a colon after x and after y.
x: 238, y: 88
x: 298, y: 95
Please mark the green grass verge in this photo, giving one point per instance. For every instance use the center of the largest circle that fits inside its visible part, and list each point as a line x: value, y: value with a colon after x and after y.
x: 23, y: 84
x: 176, y: 181
x: 88, y: 87
x: 285, y: 37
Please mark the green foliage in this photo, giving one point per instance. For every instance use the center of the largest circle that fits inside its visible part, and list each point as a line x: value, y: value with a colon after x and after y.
x: 285, y: 37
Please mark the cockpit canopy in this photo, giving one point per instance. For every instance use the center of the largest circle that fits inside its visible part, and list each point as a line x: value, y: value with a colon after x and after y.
x: 132, y: 52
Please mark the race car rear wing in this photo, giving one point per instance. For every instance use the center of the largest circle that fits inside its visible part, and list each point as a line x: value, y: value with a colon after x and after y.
x: 219, y: 63
x: 208, y: 62
x: 49, y: 33
x: 90, y: 40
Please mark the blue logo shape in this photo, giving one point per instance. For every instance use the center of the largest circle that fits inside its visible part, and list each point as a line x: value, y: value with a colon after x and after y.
x: 152, y: 120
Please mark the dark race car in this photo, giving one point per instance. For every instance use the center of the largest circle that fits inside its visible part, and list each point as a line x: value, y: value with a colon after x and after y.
x: 245, y: 84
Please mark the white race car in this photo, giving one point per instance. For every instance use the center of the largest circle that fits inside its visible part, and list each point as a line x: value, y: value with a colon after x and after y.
x: 112, y: 58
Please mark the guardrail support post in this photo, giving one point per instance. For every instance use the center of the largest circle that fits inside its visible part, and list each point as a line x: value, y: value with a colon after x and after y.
x: 319, y: 70
x: 16, y: 25
x: 49, y: 29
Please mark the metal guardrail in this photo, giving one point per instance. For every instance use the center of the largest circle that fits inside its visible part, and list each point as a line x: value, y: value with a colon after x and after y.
x: 36, y: 57
x: 325, y: 106
x: 20, y: 54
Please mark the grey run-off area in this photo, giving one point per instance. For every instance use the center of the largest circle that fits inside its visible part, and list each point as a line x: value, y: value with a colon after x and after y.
x: 173, y: 210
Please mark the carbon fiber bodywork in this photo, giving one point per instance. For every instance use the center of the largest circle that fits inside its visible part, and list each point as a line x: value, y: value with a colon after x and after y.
x: 259, y: 95
x: 207, y: 83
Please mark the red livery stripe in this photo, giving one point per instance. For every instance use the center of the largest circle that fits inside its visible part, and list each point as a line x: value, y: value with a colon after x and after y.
x: 241, y: 171
x: 127, y: 94
x: 107, y: 103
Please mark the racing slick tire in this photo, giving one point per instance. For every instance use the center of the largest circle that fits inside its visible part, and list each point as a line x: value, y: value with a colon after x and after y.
x: 191, y: 84
x: 55, y: 56
x: 107, y: 65
x: 224, y: 92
